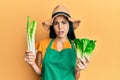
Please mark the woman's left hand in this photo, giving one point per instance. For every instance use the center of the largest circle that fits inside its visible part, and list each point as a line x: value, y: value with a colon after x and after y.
x: 81, y: 65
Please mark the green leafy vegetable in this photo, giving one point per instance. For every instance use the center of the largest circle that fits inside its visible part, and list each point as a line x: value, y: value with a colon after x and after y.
x: 84, y: 47
x: 31, y: 29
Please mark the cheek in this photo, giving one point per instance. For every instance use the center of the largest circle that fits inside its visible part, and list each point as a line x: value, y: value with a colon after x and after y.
x: 55, y: 29
x: 67, y: 29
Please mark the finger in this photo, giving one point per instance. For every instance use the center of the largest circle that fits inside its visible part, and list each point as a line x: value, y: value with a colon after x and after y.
x: 30, y: 57
x: 26, y: 52
x: 79, y: 60
x: 30, y: 54
x: 77, y: 69
x: 30, y: 60
x: 87, y: 58
x: 80, y: 65
x: 82, y: 62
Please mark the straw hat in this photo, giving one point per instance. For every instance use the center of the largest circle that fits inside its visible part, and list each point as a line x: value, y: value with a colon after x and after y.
x: 60, y: 10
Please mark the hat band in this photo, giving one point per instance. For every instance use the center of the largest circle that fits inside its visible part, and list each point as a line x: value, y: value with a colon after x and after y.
x: 60, y: 13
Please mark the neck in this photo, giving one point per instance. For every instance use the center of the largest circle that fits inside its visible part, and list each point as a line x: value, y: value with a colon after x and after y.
x: 61, y: 39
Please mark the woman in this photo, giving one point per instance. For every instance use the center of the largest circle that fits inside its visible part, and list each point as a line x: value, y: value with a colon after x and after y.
x: 57, y: 58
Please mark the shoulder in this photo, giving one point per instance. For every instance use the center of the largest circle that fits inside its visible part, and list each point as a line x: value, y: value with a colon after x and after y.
x: 42, y: 45
x: 44, y: 42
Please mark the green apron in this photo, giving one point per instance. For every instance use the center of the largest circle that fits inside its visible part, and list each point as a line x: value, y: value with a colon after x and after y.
x: 59, y: 65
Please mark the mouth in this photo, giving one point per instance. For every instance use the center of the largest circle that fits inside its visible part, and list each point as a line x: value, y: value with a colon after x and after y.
x: 60, y: 32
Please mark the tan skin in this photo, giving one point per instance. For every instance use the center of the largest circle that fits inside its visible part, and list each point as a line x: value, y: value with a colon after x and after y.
x: 61, y: 28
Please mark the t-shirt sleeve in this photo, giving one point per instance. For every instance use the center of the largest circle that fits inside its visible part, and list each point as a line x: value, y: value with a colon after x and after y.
x: 42, y: 46
x: 38, y: 46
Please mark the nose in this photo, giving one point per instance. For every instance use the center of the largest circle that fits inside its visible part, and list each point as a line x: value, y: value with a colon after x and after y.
x: 60, y: 26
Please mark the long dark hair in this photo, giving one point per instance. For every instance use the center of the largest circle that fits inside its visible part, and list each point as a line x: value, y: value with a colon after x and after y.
x: 70, y: 35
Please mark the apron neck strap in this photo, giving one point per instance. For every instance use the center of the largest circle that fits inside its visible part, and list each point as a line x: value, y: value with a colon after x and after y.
x: 72, y: 44
x: 50, y: 42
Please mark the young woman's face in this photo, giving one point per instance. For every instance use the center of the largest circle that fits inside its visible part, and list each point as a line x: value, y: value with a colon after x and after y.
x: 61, y: 26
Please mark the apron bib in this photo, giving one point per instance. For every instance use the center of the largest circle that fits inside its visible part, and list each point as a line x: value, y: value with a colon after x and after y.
x: 59, y: 65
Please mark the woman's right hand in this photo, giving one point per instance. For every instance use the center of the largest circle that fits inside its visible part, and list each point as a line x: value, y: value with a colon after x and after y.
x: 29, y: 57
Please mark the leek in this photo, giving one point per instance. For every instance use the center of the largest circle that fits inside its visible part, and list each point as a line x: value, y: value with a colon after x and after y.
x: 31, y: 29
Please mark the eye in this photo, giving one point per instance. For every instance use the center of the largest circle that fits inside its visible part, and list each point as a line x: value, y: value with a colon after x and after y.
x: 64, y: 22
x: 55, y: 23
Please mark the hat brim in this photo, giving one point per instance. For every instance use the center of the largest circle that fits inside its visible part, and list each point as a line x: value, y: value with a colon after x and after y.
x: 46, y: 24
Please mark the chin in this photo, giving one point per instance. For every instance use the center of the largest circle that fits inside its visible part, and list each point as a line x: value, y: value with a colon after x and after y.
x: 61, y: 36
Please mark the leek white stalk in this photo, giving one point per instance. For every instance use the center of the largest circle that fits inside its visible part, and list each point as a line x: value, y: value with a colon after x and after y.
x: 31, y: 29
